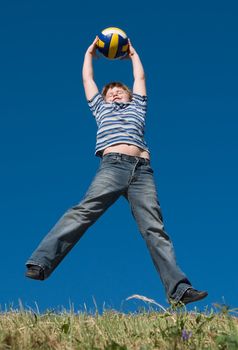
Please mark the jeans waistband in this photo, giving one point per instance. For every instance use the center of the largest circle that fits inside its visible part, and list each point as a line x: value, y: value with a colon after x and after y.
x: 126, y: 157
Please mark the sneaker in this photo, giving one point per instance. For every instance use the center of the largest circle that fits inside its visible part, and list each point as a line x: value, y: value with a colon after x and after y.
x: 35, y: 272
x: 192, y: 295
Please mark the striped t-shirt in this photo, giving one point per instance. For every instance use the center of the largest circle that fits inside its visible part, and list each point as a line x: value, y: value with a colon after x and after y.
x: 119, y: 122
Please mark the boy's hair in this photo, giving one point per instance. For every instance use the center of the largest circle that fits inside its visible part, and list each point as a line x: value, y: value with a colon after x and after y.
x: 113, y: 84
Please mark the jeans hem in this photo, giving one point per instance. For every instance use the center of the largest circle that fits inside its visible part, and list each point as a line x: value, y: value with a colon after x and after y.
x: 181, y: 289
x: 44, y: 268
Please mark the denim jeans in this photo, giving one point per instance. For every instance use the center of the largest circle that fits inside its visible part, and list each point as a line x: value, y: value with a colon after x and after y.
x: 132, y: 177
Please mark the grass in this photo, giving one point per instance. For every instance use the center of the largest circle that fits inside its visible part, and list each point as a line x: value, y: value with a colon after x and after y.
x: 174, y: 328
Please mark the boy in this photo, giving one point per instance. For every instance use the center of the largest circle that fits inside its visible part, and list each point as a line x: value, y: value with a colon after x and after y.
x: 124, y: 170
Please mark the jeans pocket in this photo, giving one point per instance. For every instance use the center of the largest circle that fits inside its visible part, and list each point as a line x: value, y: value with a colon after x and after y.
x: 108, y: 161
x: 148, y: 169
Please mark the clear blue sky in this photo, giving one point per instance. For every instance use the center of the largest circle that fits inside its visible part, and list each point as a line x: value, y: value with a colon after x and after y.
x: 47, y: 139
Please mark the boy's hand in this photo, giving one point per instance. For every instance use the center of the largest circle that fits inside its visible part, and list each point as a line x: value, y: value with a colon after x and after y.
x: 130, y: 52
x: 93, y: 47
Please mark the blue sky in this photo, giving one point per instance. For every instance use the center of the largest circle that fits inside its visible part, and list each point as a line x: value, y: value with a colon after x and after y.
x: 47, y: 139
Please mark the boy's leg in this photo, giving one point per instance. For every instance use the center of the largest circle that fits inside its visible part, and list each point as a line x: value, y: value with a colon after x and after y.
x: 145, y: 207
x: 103, y: 192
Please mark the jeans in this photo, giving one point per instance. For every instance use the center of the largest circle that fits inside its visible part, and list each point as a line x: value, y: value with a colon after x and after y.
x: 132, y: 177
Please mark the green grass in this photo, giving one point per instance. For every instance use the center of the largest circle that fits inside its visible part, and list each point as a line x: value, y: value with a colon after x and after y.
x: 174, y: 328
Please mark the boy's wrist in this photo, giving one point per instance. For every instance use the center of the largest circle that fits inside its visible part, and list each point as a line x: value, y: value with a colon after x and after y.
x: 134, y: 55
x: 88, y: 53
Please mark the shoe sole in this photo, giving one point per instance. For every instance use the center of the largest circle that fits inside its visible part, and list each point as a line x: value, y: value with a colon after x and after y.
x: 33, y: 276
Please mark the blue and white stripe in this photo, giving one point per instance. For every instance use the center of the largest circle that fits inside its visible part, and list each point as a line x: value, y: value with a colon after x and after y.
x: 119, y: 122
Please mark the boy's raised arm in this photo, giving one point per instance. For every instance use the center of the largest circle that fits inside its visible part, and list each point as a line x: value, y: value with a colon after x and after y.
x: 89, y: 84
x: 139, y: 86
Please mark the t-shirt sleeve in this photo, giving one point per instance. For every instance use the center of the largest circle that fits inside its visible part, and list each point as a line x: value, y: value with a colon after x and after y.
x: 140, y: 102
x: 96, y: 105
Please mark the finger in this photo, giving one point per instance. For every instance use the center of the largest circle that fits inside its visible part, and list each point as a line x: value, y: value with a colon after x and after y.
x: 95, y: 40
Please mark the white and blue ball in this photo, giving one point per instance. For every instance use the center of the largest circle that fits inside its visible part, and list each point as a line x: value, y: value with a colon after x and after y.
x: 112, y: 43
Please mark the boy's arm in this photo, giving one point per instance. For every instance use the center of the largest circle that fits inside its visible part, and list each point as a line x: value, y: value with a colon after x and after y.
x: 89, y: 84
x: 139, y: 86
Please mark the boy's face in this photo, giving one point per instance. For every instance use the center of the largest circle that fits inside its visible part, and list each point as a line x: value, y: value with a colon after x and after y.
x: 117, y: 94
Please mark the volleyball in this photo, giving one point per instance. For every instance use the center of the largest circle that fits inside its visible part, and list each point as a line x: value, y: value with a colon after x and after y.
x: 112, y: 43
